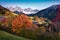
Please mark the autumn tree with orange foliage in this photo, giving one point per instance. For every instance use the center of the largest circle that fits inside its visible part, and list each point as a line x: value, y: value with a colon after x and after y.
x: 20, y: 22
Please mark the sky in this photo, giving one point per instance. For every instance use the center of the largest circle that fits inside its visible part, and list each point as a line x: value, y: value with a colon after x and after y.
x: 34, y: 4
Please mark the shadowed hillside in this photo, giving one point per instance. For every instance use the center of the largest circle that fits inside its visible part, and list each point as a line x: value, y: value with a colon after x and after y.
x: 50, y: 12
x: 7, y: 36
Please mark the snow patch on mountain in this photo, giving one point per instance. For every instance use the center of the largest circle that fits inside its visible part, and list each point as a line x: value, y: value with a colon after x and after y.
x: 26, y: 10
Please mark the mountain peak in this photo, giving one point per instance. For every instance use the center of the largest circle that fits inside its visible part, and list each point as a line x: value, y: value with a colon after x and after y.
x: 55, y: 6
x: 49, y: 13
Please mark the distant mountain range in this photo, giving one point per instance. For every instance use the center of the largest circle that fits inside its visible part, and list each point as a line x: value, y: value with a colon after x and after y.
x: 26, y: 10
x: 49, y: 16
x: 49, y: 13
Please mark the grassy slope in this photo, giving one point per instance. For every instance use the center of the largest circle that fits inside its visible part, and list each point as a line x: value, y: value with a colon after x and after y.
x: 7, y: 36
